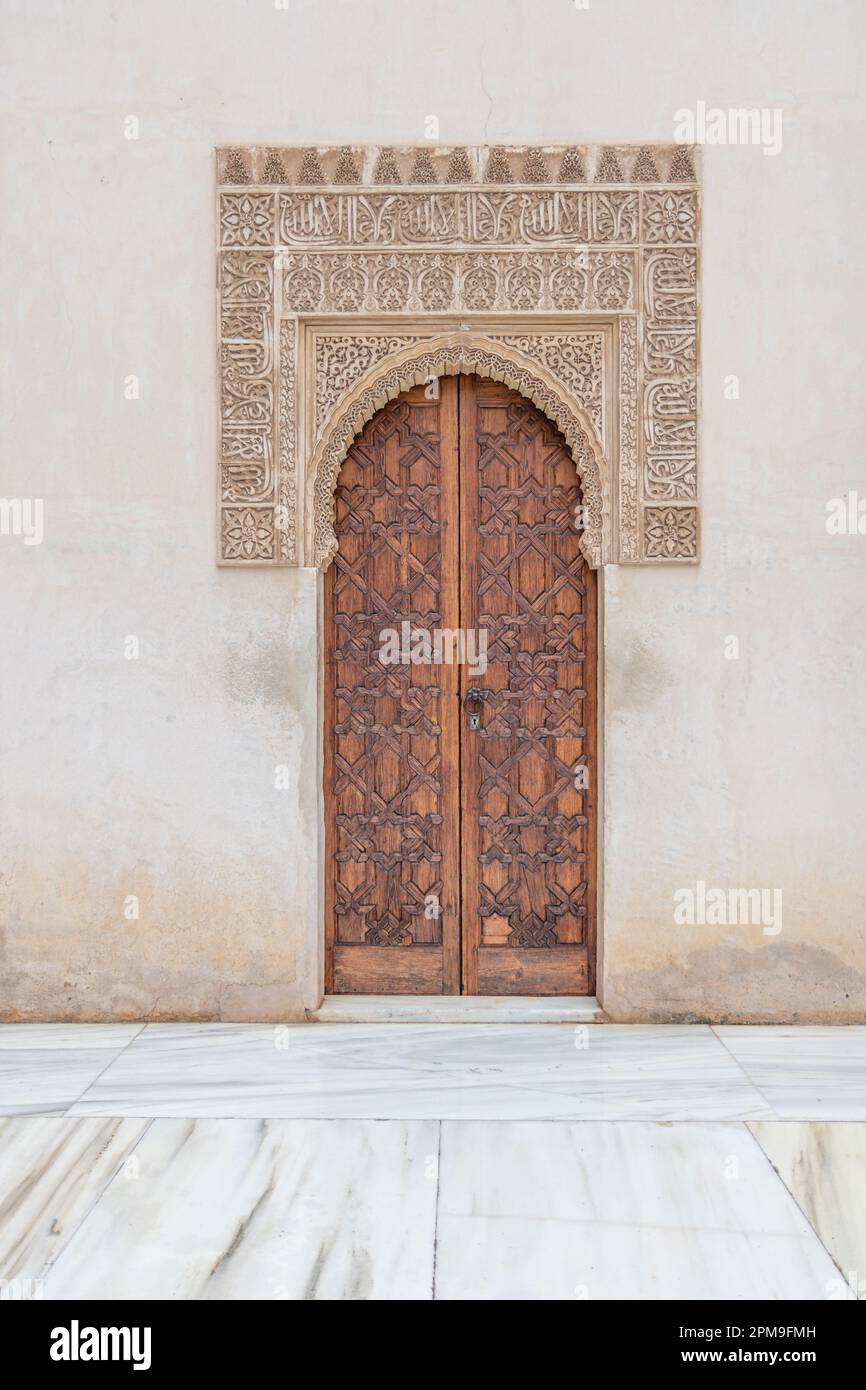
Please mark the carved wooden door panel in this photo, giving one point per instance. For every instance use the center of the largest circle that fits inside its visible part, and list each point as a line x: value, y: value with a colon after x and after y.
x: 460, y: 831
x: 392, y: 890
x: 528, y: 772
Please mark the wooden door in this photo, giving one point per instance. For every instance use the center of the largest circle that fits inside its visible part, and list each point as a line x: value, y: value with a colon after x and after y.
x: 528, y: 832
x: 459, y: 799
x: 392, y: 889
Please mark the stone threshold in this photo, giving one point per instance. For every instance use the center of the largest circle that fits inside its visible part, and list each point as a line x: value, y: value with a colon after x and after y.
x: 455, y: 1008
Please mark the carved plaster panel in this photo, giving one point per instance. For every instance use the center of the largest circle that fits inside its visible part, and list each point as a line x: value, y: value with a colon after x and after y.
x: 450, y: 282
x: 447, y: 355
x: 579, y: 359
x: 341, y: 359
x: 347, y: 274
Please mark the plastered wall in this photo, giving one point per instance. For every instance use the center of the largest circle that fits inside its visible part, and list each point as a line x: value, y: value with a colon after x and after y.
x: 149, y: 865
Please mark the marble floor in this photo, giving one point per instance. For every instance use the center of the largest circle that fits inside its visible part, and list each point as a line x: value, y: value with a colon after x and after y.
x: 418, y: 1161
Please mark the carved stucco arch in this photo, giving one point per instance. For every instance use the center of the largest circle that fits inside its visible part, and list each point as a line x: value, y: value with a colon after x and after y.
x: 449, y: 355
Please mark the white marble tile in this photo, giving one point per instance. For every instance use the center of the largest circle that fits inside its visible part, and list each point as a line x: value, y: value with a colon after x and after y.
x: 402, y: 1071
x: 262, y: 1210
x: 619, y: 1211
x: 347, y: 1209
x: 824, y: 1167
x: 804, y: 1073
x: 635, y: 1072
x: 456, y: 1008
x: 44, y: 1067
x: 52, y: 1172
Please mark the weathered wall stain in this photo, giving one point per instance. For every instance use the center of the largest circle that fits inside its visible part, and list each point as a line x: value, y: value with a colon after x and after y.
x: 790, y: 982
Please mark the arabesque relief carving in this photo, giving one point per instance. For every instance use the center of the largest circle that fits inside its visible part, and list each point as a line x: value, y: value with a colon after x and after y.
x: 346, y: 274
x: 483, y: 281
x: 447, y: 356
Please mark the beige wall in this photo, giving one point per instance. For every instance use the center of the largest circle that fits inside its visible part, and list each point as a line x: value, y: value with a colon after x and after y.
x: 155, y: 777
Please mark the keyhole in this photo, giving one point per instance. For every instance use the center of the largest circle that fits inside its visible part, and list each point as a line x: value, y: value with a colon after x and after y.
x: 475, y: 721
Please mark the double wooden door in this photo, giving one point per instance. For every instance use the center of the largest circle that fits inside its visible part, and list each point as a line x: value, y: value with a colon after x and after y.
x: 460, y: 705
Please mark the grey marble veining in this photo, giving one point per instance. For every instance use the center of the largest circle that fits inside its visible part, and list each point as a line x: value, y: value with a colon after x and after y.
x: 261, y: 1209
x: 804, y: 1073
x: 402, y: 1071
x: 619, y: 1211
x: 44, y: 1067
x: 824, y: 1168
x: 52, y: 1172
x: 361, y: 1209
x: 443, y: 1071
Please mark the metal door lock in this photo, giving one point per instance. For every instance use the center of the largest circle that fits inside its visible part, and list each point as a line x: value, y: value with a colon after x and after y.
x: 475, y: 721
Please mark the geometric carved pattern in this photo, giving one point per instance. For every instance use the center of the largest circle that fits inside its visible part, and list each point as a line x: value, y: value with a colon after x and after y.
x: 524, y: 236
x: 391, y: 847
x: 448, y: 356
x: 629, y: 448
x: 575, y: 359
x: 248, y: 533
x: 670, y: 217
x: 286, y: 513
x: 247, y: 219
x: 341, y: 360
x: 534, y: 594
x: 512, y: 895
x: 671, y: 532
x: 364, y: 165
x: 486, y: 281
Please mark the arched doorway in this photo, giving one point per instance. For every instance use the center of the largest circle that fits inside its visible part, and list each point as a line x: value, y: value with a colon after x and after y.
x: 460, y: 704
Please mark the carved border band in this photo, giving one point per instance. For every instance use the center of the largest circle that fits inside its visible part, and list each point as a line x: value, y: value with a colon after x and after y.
x: 571, y: 273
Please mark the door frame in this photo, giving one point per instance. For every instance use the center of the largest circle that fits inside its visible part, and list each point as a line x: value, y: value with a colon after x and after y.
x: 317, y: 952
